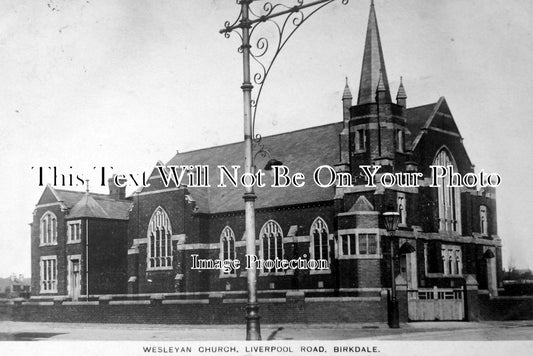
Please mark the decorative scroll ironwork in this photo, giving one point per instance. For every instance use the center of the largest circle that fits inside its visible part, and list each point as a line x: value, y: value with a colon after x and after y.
x: 262, y: 151
x: 264, y: 51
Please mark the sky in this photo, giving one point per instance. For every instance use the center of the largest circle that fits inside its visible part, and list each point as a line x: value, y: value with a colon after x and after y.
x: 87, y: 83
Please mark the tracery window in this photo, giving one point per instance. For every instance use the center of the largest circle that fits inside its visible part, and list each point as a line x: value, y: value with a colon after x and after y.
x: 449, y: 197
x: 271, y: 237
x: 159, y: 241
x: 319, y: 240
x: 227, y: 246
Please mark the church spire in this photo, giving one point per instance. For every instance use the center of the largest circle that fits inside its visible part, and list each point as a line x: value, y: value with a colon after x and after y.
x: 373, y: 64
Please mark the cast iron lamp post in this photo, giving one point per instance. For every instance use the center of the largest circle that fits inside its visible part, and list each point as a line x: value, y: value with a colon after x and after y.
x: 247, y: 22
x: 391, y: 219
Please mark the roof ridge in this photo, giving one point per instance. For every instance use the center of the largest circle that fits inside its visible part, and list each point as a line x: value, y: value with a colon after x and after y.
x: 263, y: 137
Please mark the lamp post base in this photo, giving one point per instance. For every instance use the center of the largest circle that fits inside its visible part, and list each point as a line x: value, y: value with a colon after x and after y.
x: 253, y: 329
x: 394, y: 322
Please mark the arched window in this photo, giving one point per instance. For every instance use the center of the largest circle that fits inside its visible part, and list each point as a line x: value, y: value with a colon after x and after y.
x: 319, y: 240
x: 449, y: 197
x: 483, y: 220
x: 159, y: 241
x: 48, y: 229
x: 227, y: 246
x: 271, y: 237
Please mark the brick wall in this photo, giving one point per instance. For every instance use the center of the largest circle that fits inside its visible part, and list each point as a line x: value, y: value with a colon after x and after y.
x: 506, y: 308
x: 213, y: 312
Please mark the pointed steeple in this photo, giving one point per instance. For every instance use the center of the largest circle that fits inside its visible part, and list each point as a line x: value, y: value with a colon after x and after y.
x: 347, y: 94
x: 373, y: 64
x: 401, y: 97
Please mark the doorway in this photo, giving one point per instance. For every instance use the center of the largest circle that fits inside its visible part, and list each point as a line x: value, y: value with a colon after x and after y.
x: 74, y: 278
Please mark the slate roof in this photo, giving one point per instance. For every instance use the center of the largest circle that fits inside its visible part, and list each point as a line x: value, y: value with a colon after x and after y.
x: 416, y: 119
x: 302, y: 151
x: 92, y: 205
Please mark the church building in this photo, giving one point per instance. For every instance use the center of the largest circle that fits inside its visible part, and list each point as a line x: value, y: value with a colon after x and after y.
x: 86, y: 244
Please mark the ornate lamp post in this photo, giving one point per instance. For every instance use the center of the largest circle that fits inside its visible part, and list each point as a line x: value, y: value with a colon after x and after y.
x: 391, y: 220
x: 247, y: 22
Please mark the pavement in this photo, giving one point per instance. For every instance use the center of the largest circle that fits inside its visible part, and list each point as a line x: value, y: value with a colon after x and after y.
x: 445, y: 331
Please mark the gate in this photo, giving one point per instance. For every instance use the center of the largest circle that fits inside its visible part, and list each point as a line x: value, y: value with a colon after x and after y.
x: 436, y: 304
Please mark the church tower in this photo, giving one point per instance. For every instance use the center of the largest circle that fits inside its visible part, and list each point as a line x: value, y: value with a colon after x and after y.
x: 377, y: 125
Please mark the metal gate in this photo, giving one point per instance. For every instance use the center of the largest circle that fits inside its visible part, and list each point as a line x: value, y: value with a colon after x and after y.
x: 436, y: 304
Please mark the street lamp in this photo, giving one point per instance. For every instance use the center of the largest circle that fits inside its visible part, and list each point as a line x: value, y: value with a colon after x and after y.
x: 391, y: 219
x: 247, y: 22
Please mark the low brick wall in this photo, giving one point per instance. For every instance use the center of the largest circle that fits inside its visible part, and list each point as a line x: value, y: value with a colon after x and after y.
x: 506, y: 308
x: 334, y: 310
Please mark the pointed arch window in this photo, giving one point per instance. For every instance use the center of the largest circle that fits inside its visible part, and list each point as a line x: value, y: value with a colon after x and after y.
x: 271, y: 237
x: 227, y: 246
x: 449, y: 197
x: 48, y: 229
x: 159, y: 241
x: 319, y: 240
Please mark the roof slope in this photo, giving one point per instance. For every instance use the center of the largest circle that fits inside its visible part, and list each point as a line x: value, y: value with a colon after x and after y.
x: 416, y: 119
x: 92, y: 205
x: 301, y: 151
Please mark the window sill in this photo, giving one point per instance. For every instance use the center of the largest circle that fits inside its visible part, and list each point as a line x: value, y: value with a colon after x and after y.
x: 156, y: 269
x: 360, y: 257
x: 48, y: 291
x: 288, y: 272
x: 320, y: 271
x: 442, y: 275
x: 73, y: 242
x: 224, y: 276
x: 48, y: 244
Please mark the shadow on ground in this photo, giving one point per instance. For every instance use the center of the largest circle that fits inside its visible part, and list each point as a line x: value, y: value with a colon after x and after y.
x: 26, y: 336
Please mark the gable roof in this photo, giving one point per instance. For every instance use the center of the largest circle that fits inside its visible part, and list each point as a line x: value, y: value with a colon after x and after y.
x: 420, y: 118
x: 416, y: 119
x: 301, y: 151
x: 91, y: 205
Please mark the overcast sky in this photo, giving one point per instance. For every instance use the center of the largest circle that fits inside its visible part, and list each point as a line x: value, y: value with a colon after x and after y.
x: 127, y: 83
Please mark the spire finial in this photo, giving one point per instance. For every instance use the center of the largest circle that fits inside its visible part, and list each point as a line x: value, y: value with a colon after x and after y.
x: 373, y: 64
x: 401, y: 91
x: 347, y: 94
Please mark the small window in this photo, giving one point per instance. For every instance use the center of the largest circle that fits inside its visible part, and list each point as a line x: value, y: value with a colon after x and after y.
x: 359, y: 245
x: 74, y: 231
x: 402, y: 208
x: 483, y: 220
x: 360, y: 140
x: 399, y: 140
x: 452, y: 260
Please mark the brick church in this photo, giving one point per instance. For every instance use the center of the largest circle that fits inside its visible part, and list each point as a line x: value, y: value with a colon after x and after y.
x: 85, y: 245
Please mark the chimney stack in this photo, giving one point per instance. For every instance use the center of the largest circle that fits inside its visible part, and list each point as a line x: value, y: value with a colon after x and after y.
x: 115, y: 192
